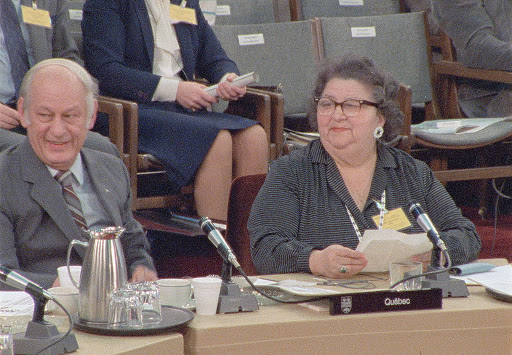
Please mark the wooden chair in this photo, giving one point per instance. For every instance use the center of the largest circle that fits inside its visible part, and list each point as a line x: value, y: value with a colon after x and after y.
x: 410, y: 62
x: 243, y: 192
x: 147, y: 176
x: 487, y: 148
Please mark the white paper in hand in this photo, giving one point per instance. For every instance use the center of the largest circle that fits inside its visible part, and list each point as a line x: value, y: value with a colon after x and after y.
x: 239, y: 81
x: 382, y: 246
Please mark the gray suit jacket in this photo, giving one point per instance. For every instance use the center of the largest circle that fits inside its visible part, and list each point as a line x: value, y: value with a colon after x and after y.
x: 56, y: 42
x: 481, y: 31
x: 35, y: 224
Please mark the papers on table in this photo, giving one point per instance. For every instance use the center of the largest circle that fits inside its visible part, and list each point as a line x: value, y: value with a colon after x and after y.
x: 15, y: 303
x: 498, y: 279
x: 296, y: 287
x: 382, y: 246
x: 466, y: 125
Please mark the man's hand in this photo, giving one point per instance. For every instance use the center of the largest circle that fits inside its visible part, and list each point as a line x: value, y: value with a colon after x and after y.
x: 56, y: 283
x: 9, y: 118
x: 336, y: 262
x: 142, y: 273
x: 191, y: 95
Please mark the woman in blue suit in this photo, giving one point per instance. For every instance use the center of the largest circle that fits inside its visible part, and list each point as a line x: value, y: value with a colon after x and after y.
x: 149, y: 52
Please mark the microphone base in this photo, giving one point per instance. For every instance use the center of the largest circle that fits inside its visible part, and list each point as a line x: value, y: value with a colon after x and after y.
x: 231, y: 300
x: 40, y: 334
x: 450, y: 287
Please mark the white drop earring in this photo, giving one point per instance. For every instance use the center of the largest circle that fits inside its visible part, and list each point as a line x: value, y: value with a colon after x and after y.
x: 378, y: 132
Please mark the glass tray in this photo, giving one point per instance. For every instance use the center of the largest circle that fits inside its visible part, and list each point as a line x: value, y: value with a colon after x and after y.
x: 173, y: 319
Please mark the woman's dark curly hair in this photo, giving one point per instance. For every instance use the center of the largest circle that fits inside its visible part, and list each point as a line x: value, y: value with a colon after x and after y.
x: 383, y: 86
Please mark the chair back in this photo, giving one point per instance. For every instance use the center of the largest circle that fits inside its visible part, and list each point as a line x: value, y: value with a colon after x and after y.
x: 397, y: 43
x: 236, y: 12
x: 243, y: 192
x: 308, y: 9
x: 75, y: 20
x: 284, y: 54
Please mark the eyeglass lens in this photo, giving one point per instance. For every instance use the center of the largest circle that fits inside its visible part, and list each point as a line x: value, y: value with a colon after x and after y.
x: 326, y: 106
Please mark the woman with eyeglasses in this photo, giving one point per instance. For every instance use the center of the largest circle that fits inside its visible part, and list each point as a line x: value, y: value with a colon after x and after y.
x: 317, y: 202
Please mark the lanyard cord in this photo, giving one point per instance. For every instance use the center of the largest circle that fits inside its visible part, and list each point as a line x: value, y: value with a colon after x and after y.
x: 382, y: 211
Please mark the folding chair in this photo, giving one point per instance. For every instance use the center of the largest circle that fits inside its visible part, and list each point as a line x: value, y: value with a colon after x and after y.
x: 308, y: 9
x: 284, y: 55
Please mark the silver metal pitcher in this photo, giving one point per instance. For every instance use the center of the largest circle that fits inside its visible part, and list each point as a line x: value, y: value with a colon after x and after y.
x: 103, y: 271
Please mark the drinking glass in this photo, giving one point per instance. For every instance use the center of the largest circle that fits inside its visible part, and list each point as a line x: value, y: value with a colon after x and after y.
x: 6, y: 346
x: 149, y: 297
x: 124, y: 309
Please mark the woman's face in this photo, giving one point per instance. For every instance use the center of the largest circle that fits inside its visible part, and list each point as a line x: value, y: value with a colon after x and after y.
x: 338, y: 130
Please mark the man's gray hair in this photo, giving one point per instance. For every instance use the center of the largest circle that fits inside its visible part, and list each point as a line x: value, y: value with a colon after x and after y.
x: 90, y: 84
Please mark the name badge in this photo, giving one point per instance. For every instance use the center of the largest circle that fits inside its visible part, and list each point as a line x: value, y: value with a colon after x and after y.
x: 183, y: 14
x: 36, y: 16
x: 394, y: 219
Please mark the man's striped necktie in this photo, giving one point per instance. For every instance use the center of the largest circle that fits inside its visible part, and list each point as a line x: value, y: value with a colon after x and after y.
x: 65, y: 178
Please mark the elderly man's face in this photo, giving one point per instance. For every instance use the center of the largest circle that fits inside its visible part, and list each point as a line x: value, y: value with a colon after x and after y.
x: 56, y: 117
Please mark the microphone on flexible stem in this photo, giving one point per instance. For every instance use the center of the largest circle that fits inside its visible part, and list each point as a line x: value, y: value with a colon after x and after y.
x: 426, y: 224
x: 231, y: 299
x: 437, y: 275
x: 19, y: 282
x: 218, y: 240
x: 40, y: 335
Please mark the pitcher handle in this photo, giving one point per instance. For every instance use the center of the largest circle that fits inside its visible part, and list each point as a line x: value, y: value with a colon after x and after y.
x: 68, y: 258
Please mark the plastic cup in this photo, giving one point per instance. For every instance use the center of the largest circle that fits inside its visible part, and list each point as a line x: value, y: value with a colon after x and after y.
x: 67, y: 296
x: 400, y: 270
x: 175, y: 292
x: 206, y: 294
x: 63, y: 273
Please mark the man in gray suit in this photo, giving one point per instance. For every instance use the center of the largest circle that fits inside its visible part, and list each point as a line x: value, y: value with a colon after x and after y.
x: 481, y: 31
x: 57, y: 106
x: 41, y: 43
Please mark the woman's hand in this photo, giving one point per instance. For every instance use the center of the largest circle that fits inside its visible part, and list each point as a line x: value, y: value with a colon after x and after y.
x: 333, y: 260
x: 425, y: 258
x: 230, y: 92
x: 192, y: 95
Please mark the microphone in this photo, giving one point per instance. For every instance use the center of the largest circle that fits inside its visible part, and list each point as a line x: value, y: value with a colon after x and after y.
x: 19, y: 282
x: 426, y: 224
x: 218, y: 240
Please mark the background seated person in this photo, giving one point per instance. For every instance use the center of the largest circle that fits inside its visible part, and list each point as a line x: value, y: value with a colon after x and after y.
x: 317, y: 202
x: 481, y: 31
x: 25, y: 44
x: 57, y: 106
x: 139, y: 53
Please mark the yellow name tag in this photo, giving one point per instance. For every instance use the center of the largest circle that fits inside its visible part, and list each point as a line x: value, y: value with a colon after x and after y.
x: 183, y: 14
x: 395, y: 219
x: 36, y: 17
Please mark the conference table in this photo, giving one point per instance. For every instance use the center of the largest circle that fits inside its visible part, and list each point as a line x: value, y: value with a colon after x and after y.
x: 92, y: 344
x: 478, y: 324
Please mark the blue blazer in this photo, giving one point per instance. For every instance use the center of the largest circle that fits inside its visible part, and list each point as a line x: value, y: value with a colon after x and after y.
x: 118, y: 48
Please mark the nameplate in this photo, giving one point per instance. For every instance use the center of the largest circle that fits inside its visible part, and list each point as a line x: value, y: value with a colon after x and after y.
x: 385, y: 300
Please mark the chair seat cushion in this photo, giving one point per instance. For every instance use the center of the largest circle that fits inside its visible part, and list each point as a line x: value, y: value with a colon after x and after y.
x: 463, y: 131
